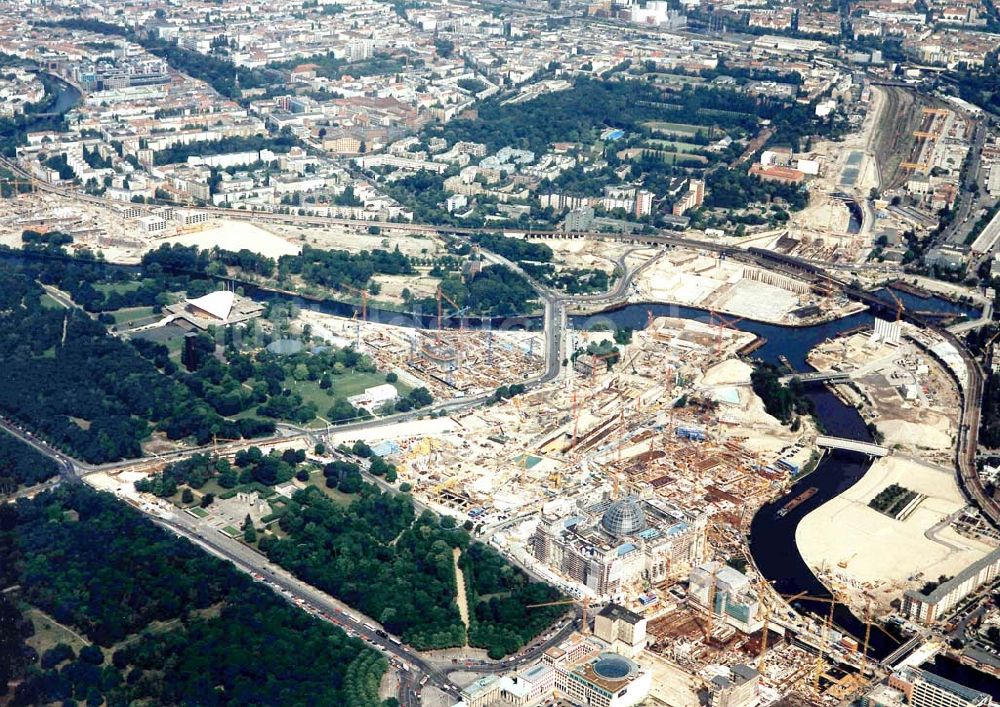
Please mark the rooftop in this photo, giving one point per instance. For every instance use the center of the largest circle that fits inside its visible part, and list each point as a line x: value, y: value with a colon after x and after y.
x: 620, y: 613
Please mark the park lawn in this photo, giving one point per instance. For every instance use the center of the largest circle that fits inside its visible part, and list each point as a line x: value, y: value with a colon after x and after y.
x: 118, y: 287
x: 275, y: 530
x: 344, y: 386
x: 211, y: 486
x: 131, y: 314
x: 48, y: 302
x: 680, y: 128
x: 335, y: 495
x: 49, y: 632
x: 675, y: 146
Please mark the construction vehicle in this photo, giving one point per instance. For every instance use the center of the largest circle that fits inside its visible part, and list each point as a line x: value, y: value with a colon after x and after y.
x: 583, y: 603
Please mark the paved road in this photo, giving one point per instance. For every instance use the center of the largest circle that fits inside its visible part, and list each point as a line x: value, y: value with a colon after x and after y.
x: 962, y: 223
x: 300, y: 593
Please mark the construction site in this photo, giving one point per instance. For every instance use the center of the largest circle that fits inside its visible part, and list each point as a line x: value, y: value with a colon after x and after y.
x: 693, y: 278
x: 449, y: 362
x: 898, y: 386
x: 621, y: 479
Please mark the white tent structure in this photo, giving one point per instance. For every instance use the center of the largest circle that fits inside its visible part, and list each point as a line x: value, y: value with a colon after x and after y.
x: 217, y: 305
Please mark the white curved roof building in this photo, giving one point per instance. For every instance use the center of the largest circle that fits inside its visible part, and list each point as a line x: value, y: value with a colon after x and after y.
x: 215, y: 304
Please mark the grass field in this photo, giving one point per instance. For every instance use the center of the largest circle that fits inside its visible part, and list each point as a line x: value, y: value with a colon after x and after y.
x: 675, y: 146
x: 676, y: 78
x: 344, y: 386
x: 635, y: 153
x: 722, y: 113
x: 49, y: 632
x: 48, y: 302
x: 677, y: 128
x: 131, y: 314
x: 338, y: 497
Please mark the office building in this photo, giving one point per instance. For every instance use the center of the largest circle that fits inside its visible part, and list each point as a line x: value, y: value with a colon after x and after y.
x: 727, y: 594
x: 925, y: 689
x: 580, y: 669
x: 623, y: 630
x: 737, y: 688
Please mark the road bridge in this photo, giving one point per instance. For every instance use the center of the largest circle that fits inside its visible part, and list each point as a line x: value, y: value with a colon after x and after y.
x: 963, y: 327
x: 817, y: 377
x: 904, y: 650
x: 852, y: 445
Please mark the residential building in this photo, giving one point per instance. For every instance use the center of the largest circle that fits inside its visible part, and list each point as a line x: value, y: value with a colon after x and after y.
x: 935, y: 604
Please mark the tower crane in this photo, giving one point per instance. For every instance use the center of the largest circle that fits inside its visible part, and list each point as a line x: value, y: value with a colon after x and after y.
x: 364, y: 310
x: 828, y: 624
x: 364, y: 298
x: 716, y: 320
x: 459, y: 311
x: 900, y: 308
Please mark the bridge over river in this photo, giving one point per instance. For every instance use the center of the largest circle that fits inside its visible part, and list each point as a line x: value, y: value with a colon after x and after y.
x: 852, y: 445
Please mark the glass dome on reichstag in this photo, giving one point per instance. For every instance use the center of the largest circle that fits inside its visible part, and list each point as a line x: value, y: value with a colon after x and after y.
x: 624, y: 517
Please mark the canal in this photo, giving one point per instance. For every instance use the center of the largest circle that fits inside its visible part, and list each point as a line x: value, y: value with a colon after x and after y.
x: 67, y: 97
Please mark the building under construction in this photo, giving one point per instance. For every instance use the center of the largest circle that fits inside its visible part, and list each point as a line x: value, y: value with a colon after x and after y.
x: 613, y: 546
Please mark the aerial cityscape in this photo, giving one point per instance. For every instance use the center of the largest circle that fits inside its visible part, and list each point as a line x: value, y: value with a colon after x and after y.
x: 500, y: 353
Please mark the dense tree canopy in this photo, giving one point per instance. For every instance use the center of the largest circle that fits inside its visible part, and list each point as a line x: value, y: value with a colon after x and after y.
x: 396, y: 567
x: 576, y: 114
x: 784, y: 402
x: 88, y: 393
x: 22, y: 465
x: 99, y: 566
